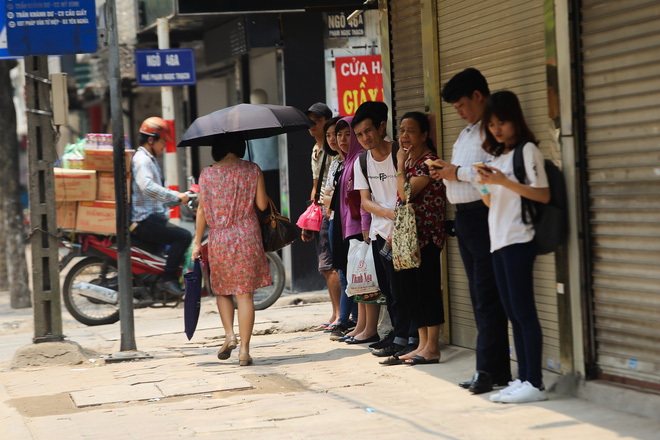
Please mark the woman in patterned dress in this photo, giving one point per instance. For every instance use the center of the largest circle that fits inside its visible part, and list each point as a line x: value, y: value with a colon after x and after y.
x: 229, y: 190
x: 420, y: 287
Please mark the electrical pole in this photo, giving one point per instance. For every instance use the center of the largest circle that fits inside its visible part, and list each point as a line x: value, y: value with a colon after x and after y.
x: 41, y: 158
x: 127, y: 322
x: 168, y: 113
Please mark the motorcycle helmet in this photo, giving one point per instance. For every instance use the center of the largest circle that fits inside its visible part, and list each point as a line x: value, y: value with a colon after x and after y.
x: 156, y: 127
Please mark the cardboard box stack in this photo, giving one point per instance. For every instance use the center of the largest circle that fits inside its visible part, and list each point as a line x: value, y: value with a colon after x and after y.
x: 86, y: 198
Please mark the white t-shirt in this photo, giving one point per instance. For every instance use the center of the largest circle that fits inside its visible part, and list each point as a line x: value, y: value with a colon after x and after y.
x: 505, y: 217
x: 382, y: 176
x: 330, y: 179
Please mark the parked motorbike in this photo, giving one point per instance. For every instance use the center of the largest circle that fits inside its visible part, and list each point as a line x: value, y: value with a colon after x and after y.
x: 90, y: 289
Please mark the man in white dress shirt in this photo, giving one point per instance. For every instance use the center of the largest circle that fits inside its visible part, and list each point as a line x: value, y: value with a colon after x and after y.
x: 468, y: 92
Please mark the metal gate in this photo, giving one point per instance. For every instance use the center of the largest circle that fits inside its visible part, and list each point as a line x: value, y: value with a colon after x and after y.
x: 407, y: 63
x: 621, y: 76
x: 505, y: 40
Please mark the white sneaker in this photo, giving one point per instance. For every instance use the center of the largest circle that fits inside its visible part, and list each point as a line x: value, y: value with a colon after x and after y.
x: 525, y: 393
x: 513, y: 385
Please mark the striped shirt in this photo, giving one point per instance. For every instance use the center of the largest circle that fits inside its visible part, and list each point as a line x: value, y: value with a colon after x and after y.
x: 148, y: 195
x: 467, y: 151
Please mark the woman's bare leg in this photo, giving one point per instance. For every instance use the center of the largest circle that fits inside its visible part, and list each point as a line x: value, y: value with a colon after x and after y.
x: 245, y: 320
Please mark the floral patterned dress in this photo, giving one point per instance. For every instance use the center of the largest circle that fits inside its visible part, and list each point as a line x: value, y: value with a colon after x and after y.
x: 429, y: 204
x: 237, y: 261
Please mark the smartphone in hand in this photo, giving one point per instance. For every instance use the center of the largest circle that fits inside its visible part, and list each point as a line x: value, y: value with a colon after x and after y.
x: 432, y: 164
x: 481, y: 166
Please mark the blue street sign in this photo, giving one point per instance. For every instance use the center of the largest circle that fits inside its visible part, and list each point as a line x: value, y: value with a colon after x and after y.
x: 4, y: 54
x: 38, y: 27
x: 165, y: 67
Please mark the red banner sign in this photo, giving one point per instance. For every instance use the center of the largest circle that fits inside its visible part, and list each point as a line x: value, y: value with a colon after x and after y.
x: 359, y: 79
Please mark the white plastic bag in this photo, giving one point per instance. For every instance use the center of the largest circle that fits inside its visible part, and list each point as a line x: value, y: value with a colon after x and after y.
x: 361, y: 271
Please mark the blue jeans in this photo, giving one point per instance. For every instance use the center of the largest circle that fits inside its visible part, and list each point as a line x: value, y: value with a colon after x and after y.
x: 347, y: 307
x: 514, y: 265
x: 493, y: 337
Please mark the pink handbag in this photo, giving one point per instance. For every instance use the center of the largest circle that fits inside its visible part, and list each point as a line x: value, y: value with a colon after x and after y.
x: 312, y: 218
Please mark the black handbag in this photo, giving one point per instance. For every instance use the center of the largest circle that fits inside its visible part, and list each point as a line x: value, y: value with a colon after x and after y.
x: 276, y: 231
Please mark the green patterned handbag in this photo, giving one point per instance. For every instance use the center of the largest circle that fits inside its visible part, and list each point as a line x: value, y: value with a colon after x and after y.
x: 405, y: 246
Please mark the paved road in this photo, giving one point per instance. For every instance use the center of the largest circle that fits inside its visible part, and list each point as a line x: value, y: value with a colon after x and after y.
x: 301, y: 386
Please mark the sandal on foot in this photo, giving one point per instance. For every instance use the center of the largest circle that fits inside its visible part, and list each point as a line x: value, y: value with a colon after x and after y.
x: 323, y: 326
x: 420, y: 360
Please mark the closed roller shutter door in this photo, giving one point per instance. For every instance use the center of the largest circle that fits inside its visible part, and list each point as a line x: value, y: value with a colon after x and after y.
x: 505, y: 40
x: 621, y: 65
x: 407, y: 66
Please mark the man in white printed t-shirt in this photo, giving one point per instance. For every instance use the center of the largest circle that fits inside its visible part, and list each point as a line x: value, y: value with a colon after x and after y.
x: 378, y: 188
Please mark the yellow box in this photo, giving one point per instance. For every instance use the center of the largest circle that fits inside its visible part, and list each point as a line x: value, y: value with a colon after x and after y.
x: 102, y: 160
x: 106, y: 190
x: 97, y: 216
x: 66, y: 214
x: 74, y: 185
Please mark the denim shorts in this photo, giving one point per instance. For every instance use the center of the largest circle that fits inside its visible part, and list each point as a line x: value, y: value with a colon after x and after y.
x: 323, y: 246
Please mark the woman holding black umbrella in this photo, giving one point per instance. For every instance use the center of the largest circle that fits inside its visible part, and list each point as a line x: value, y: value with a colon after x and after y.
x: 229, y: 191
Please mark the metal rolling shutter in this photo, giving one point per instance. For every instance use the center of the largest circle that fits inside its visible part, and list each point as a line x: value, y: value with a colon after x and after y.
x: 505, y: 40
x: 407, y: 66
x: 621, y: 43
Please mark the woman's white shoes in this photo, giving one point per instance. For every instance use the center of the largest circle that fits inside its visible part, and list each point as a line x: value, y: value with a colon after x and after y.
x: 519, y: 392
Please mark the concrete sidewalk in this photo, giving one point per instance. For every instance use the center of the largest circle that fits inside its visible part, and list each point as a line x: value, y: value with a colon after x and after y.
x: 302, y: 385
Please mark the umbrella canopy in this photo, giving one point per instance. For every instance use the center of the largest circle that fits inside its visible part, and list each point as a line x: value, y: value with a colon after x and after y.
x: 252, y: 121
x: 191, y: 302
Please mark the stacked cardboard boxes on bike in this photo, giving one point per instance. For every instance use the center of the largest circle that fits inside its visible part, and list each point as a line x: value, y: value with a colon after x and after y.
x: 86, y: 197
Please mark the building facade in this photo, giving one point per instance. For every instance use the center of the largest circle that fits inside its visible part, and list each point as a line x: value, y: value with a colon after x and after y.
x: 587, y: 80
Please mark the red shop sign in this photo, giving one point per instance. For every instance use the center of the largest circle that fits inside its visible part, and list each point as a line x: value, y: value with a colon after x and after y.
x: 359, y: 79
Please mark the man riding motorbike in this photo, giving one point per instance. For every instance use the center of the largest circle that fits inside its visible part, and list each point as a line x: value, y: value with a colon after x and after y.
x: 150, y: 201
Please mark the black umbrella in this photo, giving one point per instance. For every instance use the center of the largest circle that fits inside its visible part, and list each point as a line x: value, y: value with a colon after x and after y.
x: 253, y: 121
x: 191, y: 303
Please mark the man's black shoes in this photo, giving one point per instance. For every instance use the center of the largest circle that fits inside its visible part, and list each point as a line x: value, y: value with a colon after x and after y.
x: 387, y: 351
x: 482, y: 382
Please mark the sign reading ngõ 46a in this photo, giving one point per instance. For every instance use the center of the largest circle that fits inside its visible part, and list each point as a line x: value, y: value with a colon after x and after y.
x: 359, y: 79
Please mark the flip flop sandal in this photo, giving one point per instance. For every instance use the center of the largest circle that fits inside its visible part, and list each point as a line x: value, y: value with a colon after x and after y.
x: 420, y: 360
x: 330, y: 328
x: 323, y: 326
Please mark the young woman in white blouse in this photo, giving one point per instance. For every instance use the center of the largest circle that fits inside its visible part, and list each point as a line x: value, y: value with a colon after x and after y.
x: 512, y: 237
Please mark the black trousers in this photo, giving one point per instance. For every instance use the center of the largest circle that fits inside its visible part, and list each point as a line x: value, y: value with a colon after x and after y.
x: 156, y: 229
x: 492, y: 340
x: 404, y: 327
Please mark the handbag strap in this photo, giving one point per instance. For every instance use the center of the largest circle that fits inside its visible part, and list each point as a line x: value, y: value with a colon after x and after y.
x: 317, y: 194
x: 407, y: 188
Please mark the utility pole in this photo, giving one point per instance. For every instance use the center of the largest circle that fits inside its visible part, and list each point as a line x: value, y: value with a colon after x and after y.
x: 41, y: 158
x: 167, y: 103
x: 127, y: 321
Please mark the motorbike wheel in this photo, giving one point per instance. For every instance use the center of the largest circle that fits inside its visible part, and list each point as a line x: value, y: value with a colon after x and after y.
x: 96, y: 271
x: 266, y: 296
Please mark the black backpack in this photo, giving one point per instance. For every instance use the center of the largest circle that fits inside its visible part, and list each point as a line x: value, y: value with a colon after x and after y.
x: 363, y: 161
x: 550, y: 221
